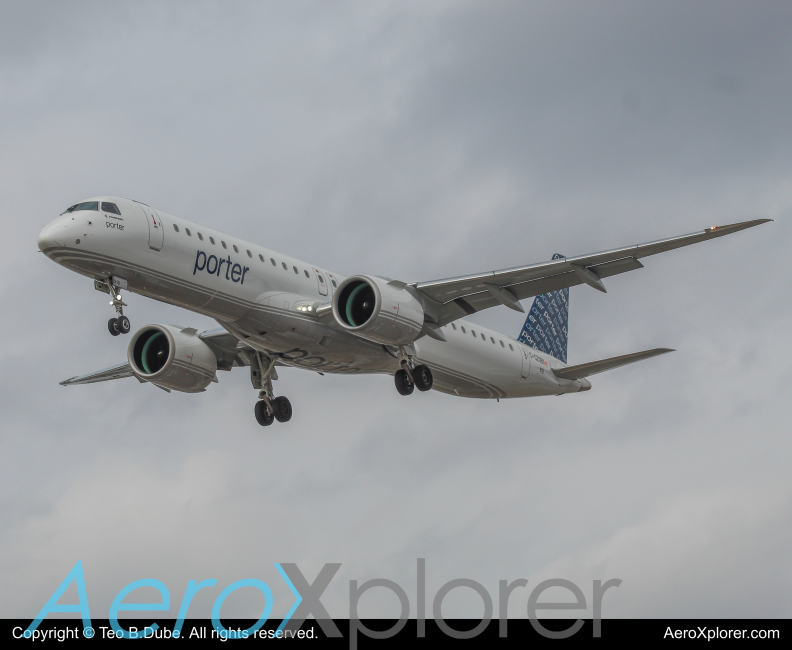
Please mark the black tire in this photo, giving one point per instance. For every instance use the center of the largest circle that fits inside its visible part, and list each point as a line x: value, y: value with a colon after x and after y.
x: 423, y: 378
x: 112, y: 325
x: 404, y: 384
x: 263, y: 416
x: 123, y: 324
x: 283, y: 409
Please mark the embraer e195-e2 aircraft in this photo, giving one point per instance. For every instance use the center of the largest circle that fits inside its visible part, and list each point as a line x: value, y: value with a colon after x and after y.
x: 278, y: 311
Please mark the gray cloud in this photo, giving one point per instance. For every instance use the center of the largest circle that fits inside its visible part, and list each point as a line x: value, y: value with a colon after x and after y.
x: 414, y: 141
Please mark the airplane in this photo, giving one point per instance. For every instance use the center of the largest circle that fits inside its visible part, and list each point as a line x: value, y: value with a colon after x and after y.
x: 274, y: 311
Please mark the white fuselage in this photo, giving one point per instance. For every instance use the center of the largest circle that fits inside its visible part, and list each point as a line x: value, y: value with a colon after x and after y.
x: 256, y: 294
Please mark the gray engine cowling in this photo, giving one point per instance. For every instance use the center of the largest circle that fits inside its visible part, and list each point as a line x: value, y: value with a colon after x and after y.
x: 378, y: 310
x: 172, y: 357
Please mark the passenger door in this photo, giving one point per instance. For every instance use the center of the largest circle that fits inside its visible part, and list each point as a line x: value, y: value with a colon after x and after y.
x: 156, y: 231
x: 526, y: 362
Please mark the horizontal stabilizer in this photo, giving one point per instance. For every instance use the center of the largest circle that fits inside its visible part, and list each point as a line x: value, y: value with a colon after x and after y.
x: 116, y: 372
x: 594, y: 367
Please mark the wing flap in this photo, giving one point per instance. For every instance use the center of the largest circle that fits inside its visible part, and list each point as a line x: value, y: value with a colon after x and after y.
x: 594, y: 367
x: 470, y: 304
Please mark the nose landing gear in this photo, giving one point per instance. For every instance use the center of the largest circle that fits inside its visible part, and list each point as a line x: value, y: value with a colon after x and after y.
x: 120, y: 324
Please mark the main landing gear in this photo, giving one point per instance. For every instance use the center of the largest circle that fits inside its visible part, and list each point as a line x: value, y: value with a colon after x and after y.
x: 270, y: 408
x: 120, y: 324
x: 410, y: 376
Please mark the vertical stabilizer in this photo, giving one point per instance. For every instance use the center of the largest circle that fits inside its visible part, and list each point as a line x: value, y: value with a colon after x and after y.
x: 546, y: 328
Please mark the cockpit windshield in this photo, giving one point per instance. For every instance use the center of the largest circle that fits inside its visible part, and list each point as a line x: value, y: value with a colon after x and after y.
x: 86, y: 205
x: 111, y: 207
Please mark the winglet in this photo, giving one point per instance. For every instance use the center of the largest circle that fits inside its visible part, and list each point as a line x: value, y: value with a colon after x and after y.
x: 734, y: 227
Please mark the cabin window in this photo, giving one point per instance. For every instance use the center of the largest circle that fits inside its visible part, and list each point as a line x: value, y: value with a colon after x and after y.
x: 223, y: 243
x: 187, y: 230
x: 335, y: 286
x: 272, y: 259
x: 200, y: 236
x: 463, y: 330
x: 319, y: 275
x: 473, y: 332
x: 295, y: 270
x: 236, y: 250
x: 510, y: 347
x: 503, y: 346
x: 306, y: 275
x: 261, y: 257
x: 111, y: 207
x: 175, y: 227
x: 285, y: 267
x: 250, y: 255
x: 453, y: 326
x: 211, y: 239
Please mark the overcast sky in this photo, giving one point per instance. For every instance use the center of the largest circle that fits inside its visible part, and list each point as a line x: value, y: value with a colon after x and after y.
x: 417, y: 141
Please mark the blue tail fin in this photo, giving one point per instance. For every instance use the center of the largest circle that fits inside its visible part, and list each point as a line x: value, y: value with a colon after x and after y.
x: 545, y: 328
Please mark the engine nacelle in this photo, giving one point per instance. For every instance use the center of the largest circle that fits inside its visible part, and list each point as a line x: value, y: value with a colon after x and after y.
x: 172, y: 357
x: 377, y: 310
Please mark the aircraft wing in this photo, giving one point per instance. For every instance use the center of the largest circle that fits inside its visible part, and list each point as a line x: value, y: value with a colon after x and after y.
x: 458, y: 297
x: 116, y: 372
x: 229, y: 350
x: 594, y: 367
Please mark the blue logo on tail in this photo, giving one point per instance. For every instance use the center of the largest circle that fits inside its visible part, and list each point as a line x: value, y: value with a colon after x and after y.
x: 545, y: 328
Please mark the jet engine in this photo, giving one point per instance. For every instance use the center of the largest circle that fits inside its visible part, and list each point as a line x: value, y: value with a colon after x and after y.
x: 379, y: 310
x: 172, y: 357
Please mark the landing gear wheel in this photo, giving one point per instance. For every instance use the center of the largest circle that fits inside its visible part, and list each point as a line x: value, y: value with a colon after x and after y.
x: 112, y: 325
x: 283, y: 409
x: 423, y: 378
x: 404, y: 384
x: 123, y: 324
x: 263, y: 416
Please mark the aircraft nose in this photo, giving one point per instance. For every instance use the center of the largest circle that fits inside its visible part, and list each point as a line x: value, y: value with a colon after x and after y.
x: 46, y: 238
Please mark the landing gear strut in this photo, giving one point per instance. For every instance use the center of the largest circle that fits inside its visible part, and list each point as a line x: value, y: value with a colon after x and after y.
x: 121, y: 324
x: 270, y: 408
x: 410, y: 376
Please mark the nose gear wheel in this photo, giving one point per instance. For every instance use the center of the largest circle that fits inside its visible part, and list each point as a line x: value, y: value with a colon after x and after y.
x: 120, y: 324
